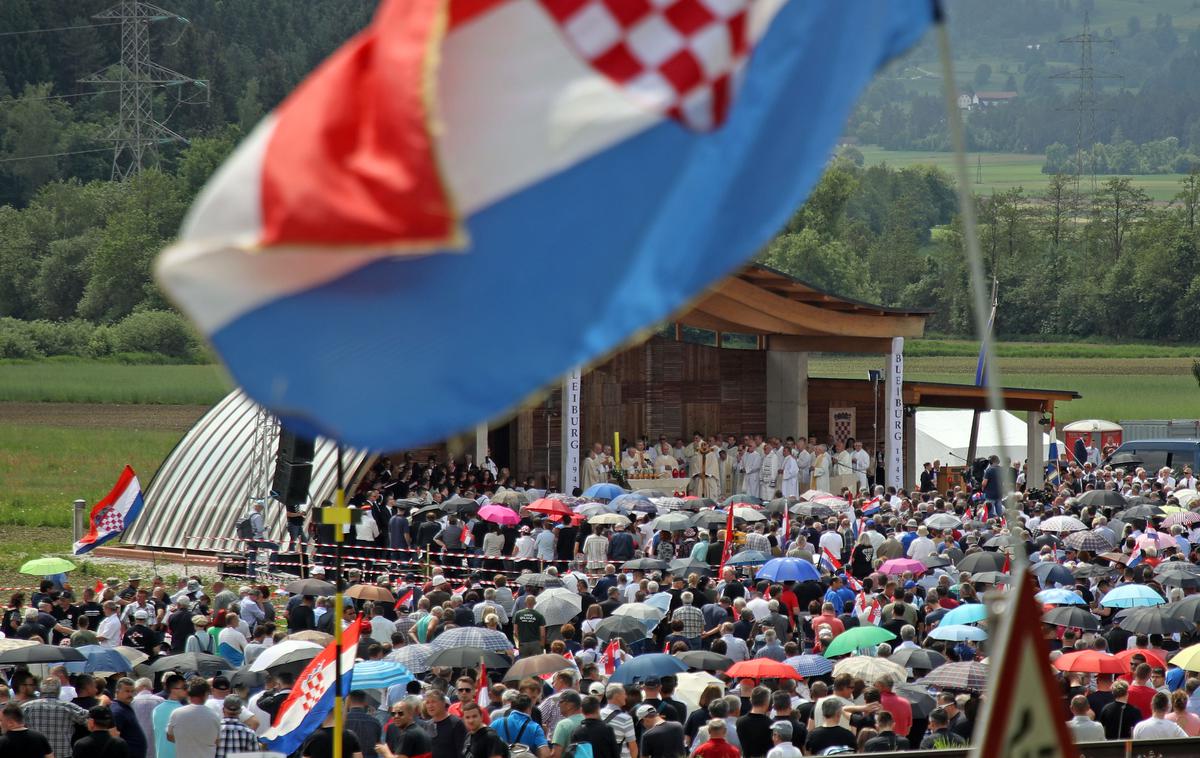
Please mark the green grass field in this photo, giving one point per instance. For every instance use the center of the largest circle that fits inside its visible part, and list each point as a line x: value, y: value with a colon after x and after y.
x: 1003, y: 171
x: 80, y: 381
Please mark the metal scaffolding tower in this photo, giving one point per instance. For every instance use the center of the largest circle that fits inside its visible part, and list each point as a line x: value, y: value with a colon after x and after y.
x: 262, y: 455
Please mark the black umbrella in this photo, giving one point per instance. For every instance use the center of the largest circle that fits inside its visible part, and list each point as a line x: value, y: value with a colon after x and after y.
x: 1102, y: 498
x: 1089, y: 570
x: 1167, y: 567
x: 644, y: 564
x: 935, y: 561
x: 1153, y: 621
x: 309, y: 587
x: 999, y: 541
x: 917, y: 658
x: 460, y: 505
x: 1141, y: 512
x: 1178, y: 576
x: 815, y: 510
x: 1049, y: 573
x: 1187, y: 609
x: 685, y: 566
x: 626, y: 628
x: 1047, y: 540
x: 1073, y: 616
x: 465, y: 657
x: 922, y: 702
x: 248, y: 679
x: 705, y: 660
x: 41, y: 654
x: 991, y: 577
x: 199, y: 663
x: 428, y: 509
x: 981, y: 561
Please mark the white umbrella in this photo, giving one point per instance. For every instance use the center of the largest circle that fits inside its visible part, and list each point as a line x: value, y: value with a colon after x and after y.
x: 690, y: 686
x: 869, y: 668
x: 1062, y: 524
x: 748, y: 514
x: 1186, y: 497
x: 661, y: 601
x: 268, y: 657
x: 643, y: 612
x: 559, y: 605
x: 609, y: 519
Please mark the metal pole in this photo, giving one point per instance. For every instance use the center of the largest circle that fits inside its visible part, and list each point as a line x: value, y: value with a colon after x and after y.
x: 77, y: 520
x: 339, y: 717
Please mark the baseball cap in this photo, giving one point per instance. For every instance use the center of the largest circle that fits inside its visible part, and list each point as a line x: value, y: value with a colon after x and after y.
x: 438, y: 579
x: 140, y: 615
x: 652, y: 681
x: 596, y: 688
x: 783, y: 729
x: 645, y: 711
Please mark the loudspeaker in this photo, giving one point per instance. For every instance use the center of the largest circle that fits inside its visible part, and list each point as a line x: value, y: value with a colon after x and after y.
x: 293, y: 468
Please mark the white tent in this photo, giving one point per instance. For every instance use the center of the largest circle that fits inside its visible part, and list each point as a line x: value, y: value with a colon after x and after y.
x: 945, y: 435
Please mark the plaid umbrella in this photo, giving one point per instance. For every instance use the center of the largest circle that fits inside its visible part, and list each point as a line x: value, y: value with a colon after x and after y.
x: 415, y: 658
x: 1062, y: 524
x: 810, y: 665
x: 473, y: 636
x: 1092, y: 541
x: 965, y: 676
x: 869, y: 668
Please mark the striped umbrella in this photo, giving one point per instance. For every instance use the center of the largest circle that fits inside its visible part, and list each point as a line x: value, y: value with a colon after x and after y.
x: 415, y: 658
x: 379, y: 675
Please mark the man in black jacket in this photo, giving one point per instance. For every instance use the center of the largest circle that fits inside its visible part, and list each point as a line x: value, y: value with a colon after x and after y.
x: 593, y: 731
x: 301, y: 616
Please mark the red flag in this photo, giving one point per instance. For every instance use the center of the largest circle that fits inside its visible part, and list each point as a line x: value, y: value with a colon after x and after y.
x: 465, y: 535
x: 99, y: 588
x: 404, y: 599
x: 767, y: 593
x: 1007, y: 565
x: 481, y: 691
x: 727, y: 550
x: 667, y: 648
x: 610, y: 656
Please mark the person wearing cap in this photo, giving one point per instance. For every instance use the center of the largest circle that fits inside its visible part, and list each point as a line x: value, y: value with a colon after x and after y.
x: 99, y: 742
x: 141, y: 636
x: 221, y: 689
x: 660, y: 738
x: 200, y: 641
x: 781, y: 740
x: 235, y: 737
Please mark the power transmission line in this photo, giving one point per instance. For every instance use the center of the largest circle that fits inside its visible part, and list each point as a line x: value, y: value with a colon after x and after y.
x: 58, y: 29
x: 53, y: 155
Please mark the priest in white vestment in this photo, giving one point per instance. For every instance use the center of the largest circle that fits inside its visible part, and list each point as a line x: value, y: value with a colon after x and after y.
x: 705, y: 467
x: 804, y: 461
x: 664, y: 462
x: 593, y: 467
x: 860, y: 462
x: 820, y: 473
x: 634, y: 459
x: 772, y: 462
x: 841, y: 460
x: 790, y: 486
x: 751, y: 468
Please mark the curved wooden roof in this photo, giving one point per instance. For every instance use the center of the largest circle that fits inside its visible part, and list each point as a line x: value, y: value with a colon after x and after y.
x: 795, y: 315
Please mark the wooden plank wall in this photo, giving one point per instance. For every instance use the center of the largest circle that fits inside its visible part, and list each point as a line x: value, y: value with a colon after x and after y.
x: 822, y: 396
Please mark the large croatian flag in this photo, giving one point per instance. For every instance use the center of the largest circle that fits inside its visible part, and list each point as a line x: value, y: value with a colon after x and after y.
x: 311, y: 699
x: 114, y: 513
x: 523, y: 184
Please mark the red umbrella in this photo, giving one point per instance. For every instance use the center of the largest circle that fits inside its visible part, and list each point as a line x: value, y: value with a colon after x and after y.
x: 550, y: 507
x: 1154, y: 659
x: 1091, y: 662
x: 761, y: 668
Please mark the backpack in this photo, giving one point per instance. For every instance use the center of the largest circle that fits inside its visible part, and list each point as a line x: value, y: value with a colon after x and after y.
x: 516, y: 748
x: 579, y: 750
x: 245, y: 530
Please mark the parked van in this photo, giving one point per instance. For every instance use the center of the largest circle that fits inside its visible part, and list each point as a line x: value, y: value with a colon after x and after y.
x: 1154, y: 454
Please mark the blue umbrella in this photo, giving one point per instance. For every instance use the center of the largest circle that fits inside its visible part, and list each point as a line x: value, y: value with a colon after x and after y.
x: 644, y: 666
x: 603, y: 491
x: 958, y: 633
x: 378, y: 675
x: 1132, y: 596
x: 627, y: 501
x: 810, y: 665
x: 968, y: 613
x: 1059, y: 596
x: 788, y: 570
x: 98, y: 658
x: 1049, y: 573
x: 748, y: 558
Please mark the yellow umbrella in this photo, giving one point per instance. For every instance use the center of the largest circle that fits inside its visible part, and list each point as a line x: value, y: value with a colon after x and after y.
x: 1172, y: 509
x: 1188, y: 659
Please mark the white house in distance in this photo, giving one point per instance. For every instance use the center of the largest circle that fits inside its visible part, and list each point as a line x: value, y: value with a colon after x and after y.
x: 985, y: 99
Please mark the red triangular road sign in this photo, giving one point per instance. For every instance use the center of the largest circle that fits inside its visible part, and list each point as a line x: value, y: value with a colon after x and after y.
x: 1023, y: 711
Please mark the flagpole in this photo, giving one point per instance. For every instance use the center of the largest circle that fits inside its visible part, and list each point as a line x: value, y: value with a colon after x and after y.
x: 339, y: 612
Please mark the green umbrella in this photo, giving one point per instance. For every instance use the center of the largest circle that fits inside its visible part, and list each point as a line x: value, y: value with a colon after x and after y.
x: 856, y: 639
x: 47, y: 566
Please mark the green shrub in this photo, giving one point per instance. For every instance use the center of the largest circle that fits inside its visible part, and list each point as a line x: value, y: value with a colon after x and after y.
x: 161, y: 332
x: 101, y: 343
x: 15, y: 340
x: 60, y: 337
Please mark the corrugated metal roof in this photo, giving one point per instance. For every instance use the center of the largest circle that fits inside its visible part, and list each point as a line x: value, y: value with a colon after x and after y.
x: 203, y: 486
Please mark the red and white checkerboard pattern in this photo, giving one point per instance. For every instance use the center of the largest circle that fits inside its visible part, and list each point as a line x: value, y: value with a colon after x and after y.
x: 110, y: 521
x: 684, y: 58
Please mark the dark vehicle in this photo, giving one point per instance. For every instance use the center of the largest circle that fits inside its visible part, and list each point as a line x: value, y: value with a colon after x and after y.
x: 1154, y: 454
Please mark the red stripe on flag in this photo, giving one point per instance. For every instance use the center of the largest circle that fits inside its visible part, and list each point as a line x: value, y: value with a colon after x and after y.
x: 352, y: 157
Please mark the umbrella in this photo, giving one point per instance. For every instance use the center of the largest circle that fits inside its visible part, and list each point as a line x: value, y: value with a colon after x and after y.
x: 1153, y: 620
x: 12, y: 643
x: 809, y: 664
x: 1186, y: 497
x: 748, y: 558
x: 1102, y: 499
x: 312, y: 635
x: 132, y: 654
x: 644, y: 564
x: 761, y: 668
x: 47, y: 566
x: 1157, y: 540
x: 433, y: 508
x: 991, y: 577
x: 1091, y: 662
x: 603, y: 491
x: 661, y: 600
x: 371, y: 592
x: 1126, y: 657
x: 788, y: 570
x: 709, y: 517
x: 672, y: 522
x: 1089, y: 570
x: 1141, y: 512
x: 1178, y: 576
x: 705, y: 660
x: 99, y: 658
x: 748, y: 514
x: 917, y: 658
x: 777, y: 506
x: 510, y: 498
x: 626, y: 628
x: 1049, y: 573
x: 644, y: 612
x: 203, y: 664
x: 1074, y: 617
x: 251, y: 680
x: 968, y: 613
x: 1115, y: 557
x: 589, y: 509
x: 1059, y: 596
x: 310, y: 587
x: 535, y: 665
x: 742, y: 499
x: 459, y: 505
x: 814, y: 510
x: 958, y: 633
x: 982, y: 561
x: 287, y: 651
x: 1092, y: 541
x: 943, y: 521
x: 1187, y: 659
x: 935, y: 561
x: 41, y: 654
x: 415, y: 658
x: 999, y: 541
x: 685, y: 566
x: 922, y: 702
x: 532, y: 579
x: 550, y: 507
x: 558, y: 605
x: 609, y: 519
x: 378, y: 675
x: 627, y: 502
x: 869, y: 668
x: 1062, y: 524
x: 466, y: 657
x: 690, y: 685
x: 1187, y: 609
x: 501, y: 514
x: 898, y: 566
x: 962, y: 676
x: 478, y: 637
x: 645, y: 666
x: 1131, y: 596
x: 857, y: 638
x: 1187, y: 518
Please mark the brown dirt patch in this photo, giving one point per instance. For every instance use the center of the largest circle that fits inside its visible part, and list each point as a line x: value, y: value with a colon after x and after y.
x: 167, y: 418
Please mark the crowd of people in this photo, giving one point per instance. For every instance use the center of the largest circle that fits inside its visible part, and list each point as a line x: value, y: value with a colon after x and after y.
x: 1113, y: 550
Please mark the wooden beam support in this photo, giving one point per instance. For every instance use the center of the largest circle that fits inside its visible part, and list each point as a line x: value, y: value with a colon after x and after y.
x: 824, y: 344
x: 839, y: 323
